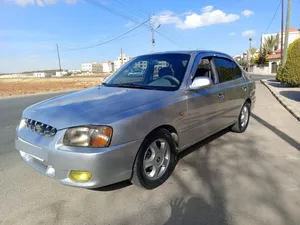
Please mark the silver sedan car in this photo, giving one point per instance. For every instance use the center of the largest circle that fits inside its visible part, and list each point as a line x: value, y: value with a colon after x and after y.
x: 133, y: 127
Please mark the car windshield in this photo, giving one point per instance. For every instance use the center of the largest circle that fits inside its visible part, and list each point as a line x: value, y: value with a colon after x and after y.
x: 157, y: 72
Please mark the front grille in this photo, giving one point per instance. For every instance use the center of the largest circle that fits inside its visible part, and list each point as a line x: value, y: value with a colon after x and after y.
x: 40, y: 128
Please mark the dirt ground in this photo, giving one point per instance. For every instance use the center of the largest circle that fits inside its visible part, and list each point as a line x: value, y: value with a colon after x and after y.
x: 11, y: 87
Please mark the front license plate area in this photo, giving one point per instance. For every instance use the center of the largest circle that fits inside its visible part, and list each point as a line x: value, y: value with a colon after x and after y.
x: 34, y: 151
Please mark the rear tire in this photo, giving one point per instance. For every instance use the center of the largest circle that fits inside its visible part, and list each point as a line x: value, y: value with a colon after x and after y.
x: 155, y: 161
x: 243, y: 120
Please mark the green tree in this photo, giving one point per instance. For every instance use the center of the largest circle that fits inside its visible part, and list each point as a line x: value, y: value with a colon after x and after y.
x: 252, y: 51
x: 252, y: 55
x: 270, y: 43
x: 262, y: 59
x: 291, y: 71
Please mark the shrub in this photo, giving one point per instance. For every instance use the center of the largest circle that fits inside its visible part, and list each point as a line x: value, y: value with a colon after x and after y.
x: 68, y: 74
x: 291, y: 71
x: 279, y: 73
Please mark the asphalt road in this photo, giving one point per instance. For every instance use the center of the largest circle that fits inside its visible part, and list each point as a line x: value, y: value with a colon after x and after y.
x: 249, y: 178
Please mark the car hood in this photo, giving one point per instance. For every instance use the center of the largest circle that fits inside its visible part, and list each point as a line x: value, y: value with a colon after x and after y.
x: 90, y: 106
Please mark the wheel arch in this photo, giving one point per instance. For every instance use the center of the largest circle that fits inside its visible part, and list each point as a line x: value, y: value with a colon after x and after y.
x: 169, y: 128
x: 135, y: 177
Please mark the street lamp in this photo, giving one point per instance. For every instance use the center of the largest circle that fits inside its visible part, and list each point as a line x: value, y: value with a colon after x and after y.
x: 250, y: 55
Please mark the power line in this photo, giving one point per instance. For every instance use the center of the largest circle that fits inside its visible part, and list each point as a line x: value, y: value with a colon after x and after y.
x: 130, y: 8
x: 168, y: 38
x: 130, y: 36
x: 136, y: 3
x: 113, y: 11
x: 171, y: 36
x: 105, y: 42
x: 273, y: 16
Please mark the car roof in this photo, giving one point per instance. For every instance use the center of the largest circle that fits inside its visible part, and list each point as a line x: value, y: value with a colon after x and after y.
x: 190, y: 52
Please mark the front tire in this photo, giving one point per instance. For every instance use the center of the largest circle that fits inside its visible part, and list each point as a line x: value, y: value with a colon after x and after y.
x: 243, y: 120
x: 155, y: 161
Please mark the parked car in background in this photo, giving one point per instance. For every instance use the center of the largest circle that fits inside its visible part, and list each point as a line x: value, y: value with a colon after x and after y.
x: 133, y: 127
x: 135, y: 74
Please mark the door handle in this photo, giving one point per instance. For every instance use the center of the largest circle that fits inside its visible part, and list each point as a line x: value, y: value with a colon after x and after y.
x: 220, y: 96
x: 245, y: 88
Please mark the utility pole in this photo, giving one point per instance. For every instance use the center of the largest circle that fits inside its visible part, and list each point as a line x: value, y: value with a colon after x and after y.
x: 152, y: 33
x: 122, y: 61
x: 152, y: 28
x: 282, y: 28
x: 287, y: 30
x: 58, y: 59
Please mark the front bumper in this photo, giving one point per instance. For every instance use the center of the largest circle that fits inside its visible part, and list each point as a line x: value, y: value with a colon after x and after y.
x: 107, y: 165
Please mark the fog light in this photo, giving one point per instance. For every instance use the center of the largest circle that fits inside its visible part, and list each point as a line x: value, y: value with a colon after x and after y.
x: 80, y: 176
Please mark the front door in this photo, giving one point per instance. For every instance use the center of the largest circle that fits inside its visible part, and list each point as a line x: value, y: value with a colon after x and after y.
x: 204, y: 105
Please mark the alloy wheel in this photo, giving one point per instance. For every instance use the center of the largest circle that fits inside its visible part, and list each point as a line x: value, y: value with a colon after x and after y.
x: 156, y: 159
x: 244, y: 116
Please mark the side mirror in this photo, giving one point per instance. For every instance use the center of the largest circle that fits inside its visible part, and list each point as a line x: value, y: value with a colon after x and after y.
x: 200, y: 82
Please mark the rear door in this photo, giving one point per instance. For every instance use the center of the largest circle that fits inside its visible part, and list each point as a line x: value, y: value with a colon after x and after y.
x: 233, y: 82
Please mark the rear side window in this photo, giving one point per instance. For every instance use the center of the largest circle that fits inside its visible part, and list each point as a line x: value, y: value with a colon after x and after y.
x: 227, y: 70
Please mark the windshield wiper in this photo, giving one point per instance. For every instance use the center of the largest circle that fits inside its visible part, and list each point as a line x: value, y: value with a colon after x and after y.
x: 131, y: 85
x: 105, y: 84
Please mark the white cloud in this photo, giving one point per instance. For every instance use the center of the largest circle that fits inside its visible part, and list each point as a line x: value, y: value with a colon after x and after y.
x: 39, y: 2
x: 248, y: 33
x: 129, y: 24
x: 232, y: 34
x: 23, y: 2
x: 248, y: 13
x: 186, y: 13
x: 208, y: 8
x: 192, y: 20
x: 167, y: 17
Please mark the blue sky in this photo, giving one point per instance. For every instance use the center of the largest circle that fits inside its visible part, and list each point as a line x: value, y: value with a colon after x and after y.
x: 30, y: 29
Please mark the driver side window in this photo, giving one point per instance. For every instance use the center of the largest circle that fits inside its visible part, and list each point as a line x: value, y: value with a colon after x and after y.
x: 205, y: 69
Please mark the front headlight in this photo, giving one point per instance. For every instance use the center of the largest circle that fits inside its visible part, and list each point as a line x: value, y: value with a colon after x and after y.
x: 93, y: 136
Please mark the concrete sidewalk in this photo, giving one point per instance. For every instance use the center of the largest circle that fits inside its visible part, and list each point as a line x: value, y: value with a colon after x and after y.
x: 287, y: 96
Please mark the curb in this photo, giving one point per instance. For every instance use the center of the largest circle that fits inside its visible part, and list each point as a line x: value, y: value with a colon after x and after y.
x: 282, y: 101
